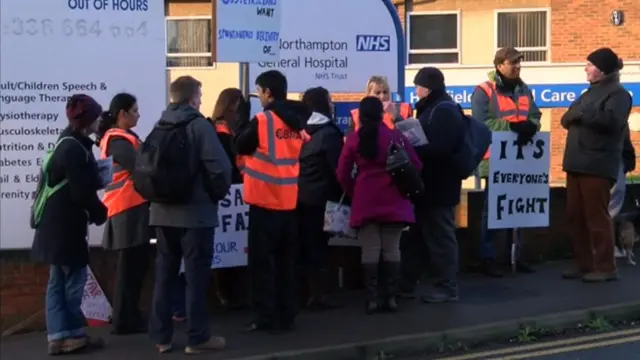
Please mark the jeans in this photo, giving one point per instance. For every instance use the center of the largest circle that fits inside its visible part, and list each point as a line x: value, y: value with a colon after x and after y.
x: 487, y: 251
x: 196, y: 246
x: 64, y: 297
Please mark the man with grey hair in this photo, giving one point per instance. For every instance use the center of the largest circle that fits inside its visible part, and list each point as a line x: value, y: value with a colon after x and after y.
x: 185, y: 229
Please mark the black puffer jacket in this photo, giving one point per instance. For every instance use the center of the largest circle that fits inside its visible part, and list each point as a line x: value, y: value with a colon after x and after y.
x: 317, y: 181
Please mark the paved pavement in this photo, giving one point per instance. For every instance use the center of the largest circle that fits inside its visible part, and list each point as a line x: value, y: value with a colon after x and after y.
x: 483, y: 301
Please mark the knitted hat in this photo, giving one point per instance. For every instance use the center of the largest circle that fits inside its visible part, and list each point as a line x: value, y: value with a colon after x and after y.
x: 430, y: 78
x: 82, y: 111
x: 605, y: 60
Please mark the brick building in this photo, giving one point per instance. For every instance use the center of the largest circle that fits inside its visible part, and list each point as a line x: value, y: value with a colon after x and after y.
x: 459, y: 36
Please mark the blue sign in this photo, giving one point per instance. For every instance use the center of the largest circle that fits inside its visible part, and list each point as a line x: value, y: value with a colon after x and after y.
x: 342, y: 111
x: 546, y: 96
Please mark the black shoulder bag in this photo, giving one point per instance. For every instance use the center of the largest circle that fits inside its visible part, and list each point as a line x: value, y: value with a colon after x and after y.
x: 405, y: 176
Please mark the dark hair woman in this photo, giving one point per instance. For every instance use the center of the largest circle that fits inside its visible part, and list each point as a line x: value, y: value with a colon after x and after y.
x: 127, y: 227
x: 378, y: 210
x: 317, y: 184
x: 229, y: 283
x: 224, y: 119
x: 60, y: 238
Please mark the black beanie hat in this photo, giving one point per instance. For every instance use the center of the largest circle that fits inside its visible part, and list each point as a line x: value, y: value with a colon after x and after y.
x: 605, y: 60
x: 430, y: 78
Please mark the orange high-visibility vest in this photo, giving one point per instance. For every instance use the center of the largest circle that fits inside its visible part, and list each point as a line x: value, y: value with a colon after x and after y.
x: 223, y: 128
x: 405, y: 113
x: 119, y: 195
x: 271, y: 173
x: 504, y: 107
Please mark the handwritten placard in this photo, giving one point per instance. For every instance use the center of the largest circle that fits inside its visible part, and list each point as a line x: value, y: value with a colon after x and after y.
x: 519, y: 181
x: 95, y: 305
x: 247, y: 30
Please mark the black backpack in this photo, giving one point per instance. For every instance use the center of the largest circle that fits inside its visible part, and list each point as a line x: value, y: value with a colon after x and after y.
x: 163, y: 172
x: 475, y: 143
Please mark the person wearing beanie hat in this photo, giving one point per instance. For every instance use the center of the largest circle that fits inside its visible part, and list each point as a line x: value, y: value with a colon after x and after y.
x: 61, y: 227
x: 443, y: 124
x: 503, y: 93
x: 597, y: 128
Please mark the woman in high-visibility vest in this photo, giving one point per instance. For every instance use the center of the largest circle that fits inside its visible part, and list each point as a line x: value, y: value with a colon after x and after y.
x: 228, y: 282
x: 127, y: 228
x: 378, y: 86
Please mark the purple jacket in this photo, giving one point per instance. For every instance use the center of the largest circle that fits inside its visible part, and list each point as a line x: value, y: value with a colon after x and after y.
x: 374, y: 198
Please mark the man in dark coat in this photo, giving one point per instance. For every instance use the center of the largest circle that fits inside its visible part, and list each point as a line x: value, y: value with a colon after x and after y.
x: 443, y: 123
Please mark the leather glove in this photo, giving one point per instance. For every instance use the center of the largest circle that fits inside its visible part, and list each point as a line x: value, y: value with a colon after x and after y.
x: 525, y: 130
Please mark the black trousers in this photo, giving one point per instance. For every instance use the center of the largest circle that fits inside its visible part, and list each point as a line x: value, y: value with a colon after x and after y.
x: 272, y: 265
x: 132, y: 265
x: 314, y: 242
x: 195, y: 246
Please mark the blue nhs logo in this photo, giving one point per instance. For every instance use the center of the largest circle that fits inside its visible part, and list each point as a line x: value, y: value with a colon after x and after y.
x: 373, y: 43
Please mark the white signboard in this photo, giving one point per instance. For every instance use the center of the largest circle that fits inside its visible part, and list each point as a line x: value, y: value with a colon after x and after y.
x: 230, y: 242
x: 519, y: 192
x: 50, y: 50
x: 247, y: 30
x: 325, y: 43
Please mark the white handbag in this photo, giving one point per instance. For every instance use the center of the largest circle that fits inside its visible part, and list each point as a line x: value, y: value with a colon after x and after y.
x: 337, y: 217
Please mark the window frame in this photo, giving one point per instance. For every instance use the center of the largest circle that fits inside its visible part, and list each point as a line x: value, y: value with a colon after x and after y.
x: 547, y: 48
x: 183, y: 55
x: 457, y: 50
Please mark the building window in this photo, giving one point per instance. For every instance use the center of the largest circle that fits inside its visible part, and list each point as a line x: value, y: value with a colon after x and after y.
x: 189, y: 42
x: 433, y: 38
x: 525, y: 30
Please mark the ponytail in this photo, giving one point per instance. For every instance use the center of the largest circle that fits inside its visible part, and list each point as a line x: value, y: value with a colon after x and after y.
x: 107, y: 121
x: 371, y: 111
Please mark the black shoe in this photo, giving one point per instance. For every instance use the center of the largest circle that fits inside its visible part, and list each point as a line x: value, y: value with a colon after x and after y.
x: 491, y: 268
x: 259, y: 326
x: 524, y: 268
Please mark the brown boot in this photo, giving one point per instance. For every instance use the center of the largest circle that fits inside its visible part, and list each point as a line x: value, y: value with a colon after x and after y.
x: 72, y: 345
x: 55, y: 347
x: 597, y: 277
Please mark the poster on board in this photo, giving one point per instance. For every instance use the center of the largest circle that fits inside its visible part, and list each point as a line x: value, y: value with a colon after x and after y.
x: 518, y: 182
x: 340, y: 57
x: 50, y: 50
x: 247, y: 31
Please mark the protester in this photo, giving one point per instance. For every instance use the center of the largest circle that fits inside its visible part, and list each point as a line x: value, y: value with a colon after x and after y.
x: 60, y: 238
x: 127, y: 228
x: 317, y: 184
x: 224, y: 120
x: 378, y: 210
x: 504, y: 103
x: 231, y: 282
x: 186, y: 230
x: 271, y: 143
x: 434, y: 234
x: 597, y: 126
x: 378, y: 86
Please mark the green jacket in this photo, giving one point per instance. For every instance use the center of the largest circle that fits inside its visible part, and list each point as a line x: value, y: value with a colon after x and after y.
x: 481, y: 110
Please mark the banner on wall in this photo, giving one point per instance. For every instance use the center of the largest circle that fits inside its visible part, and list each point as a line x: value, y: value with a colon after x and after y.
x: 518, y: 182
